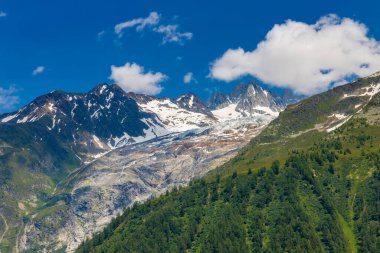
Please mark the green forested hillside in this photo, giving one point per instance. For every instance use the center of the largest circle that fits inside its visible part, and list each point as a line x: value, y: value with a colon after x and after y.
x: 309, y: 192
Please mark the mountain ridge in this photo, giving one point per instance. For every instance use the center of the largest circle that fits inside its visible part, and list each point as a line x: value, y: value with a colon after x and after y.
x: 296, y: 187
x: 94, y: 106
x: 67, y: 194
x: 52, y: 139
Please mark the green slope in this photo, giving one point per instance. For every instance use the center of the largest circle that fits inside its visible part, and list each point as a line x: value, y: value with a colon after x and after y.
x: 29, y: 171
x: 295, y: 188
x: 303, y: 206
x: 309, y: 117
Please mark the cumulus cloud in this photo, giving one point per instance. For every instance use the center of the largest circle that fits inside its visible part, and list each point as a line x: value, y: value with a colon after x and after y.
x: 8, y: 99
x: 308, y: 58
x: 171, y: 34
x: 132, y: 78
x: 3, y: 14
x: 139, y: 23
x: 38, y: 70
x: 188, y: 78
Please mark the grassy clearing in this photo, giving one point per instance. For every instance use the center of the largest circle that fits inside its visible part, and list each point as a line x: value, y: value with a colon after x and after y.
x: 348, y: 234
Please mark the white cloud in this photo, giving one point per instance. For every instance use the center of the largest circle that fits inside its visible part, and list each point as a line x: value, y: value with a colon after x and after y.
x: 38, y: 70
x: 140, y: 23
x: 7, y: 98
x: 3, y: 14
x: 101, y: 34
x: 306, y: 58
x: 171, y: 34
x: 132, y: 78
x: 188, y: 78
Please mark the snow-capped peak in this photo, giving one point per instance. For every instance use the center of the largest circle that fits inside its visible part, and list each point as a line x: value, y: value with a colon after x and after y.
x: 245, y: 100
x: 117, y: 118
x: 192, y: 102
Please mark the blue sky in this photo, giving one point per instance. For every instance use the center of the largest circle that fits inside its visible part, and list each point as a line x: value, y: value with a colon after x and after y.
x: 75, y: 44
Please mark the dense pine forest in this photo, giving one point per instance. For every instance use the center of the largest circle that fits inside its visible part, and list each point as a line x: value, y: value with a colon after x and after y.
x: 322, y: 197
x: 325, y: 199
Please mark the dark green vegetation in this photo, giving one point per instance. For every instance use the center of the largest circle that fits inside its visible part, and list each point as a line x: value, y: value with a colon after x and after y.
x: 324, y: 199
x: 295, y: 188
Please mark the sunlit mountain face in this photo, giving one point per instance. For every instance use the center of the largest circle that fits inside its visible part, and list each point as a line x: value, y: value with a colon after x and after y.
x: 246, y: 130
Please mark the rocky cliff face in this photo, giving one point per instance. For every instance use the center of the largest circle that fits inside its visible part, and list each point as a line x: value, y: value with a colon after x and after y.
x: 247, y: 95
x: 193, y: 103
x: 245, y: 100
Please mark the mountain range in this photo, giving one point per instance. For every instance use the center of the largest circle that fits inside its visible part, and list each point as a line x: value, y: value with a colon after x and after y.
x: 308, y: 182
x: 73, y: 161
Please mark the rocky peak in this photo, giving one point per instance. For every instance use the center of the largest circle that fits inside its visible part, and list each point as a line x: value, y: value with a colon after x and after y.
x: 100, y: 88
x: 140, y: 98
x: 192, y: 102
x: 105, y: 114
x: 247, y: 99
x: 243, y: 89
x: 104, y: 89
x: 187, y: 99
x: 217, y: 99
x: 251, y: 96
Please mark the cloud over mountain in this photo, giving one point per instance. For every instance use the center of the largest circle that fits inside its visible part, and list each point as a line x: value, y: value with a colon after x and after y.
x: 132, y: 78
x: 305, y: 57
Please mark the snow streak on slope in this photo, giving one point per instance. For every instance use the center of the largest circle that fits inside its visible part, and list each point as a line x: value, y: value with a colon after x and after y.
x: 338, y: 118
x: 371, y: 90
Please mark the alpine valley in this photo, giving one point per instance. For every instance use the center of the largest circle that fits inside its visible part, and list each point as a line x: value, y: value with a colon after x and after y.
x: 189, y: 126
x: 308, y: 182
x: 71, y: 162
